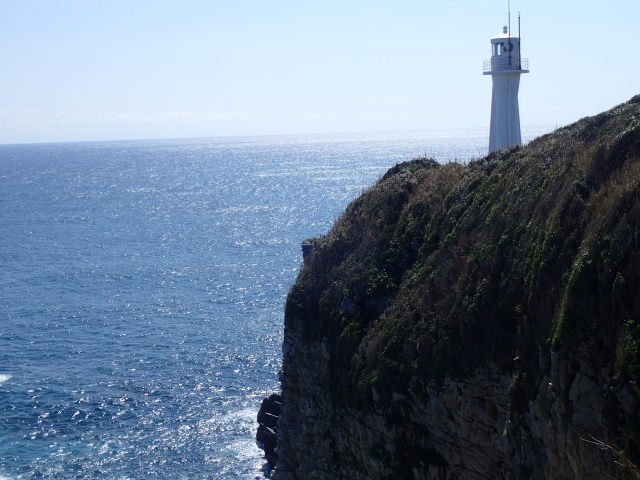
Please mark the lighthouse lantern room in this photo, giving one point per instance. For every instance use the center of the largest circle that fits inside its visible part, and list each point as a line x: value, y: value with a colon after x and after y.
x: 505, y: 67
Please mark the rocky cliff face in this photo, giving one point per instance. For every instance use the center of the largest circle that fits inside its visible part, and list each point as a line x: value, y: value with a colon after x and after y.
x: 457, y: 431
x: 475, y: 322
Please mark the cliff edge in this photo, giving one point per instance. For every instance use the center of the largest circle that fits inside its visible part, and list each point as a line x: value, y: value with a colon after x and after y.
x: 475, y: 321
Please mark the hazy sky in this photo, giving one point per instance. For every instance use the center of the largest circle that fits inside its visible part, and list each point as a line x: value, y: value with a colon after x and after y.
x: 97, y: 70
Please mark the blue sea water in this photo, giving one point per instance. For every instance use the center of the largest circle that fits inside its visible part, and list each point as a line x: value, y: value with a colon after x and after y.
x: 142, y: 287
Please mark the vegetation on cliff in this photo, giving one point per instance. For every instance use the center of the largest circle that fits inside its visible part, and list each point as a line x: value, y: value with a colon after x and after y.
x: 440, y: 270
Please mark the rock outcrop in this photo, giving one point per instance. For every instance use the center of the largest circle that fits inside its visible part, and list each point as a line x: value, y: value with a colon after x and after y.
x: 267, y: 433
x: 475, y: 321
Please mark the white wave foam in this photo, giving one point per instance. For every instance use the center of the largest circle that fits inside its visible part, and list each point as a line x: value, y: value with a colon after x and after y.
x: 4, y: 378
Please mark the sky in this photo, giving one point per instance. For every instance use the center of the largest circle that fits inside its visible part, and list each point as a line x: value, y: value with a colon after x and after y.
x: 134, y: 69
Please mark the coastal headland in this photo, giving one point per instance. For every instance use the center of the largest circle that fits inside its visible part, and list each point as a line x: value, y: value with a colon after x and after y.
x: 475, y: 321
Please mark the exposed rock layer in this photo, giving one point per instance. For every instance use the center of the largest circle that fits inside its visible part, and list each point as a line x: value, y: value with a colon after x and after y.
x: 474, y: 322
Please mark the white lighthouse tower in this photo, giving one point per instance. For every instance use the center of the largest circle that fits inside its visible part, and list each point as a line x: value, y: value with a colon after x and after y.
x: 505, y: 67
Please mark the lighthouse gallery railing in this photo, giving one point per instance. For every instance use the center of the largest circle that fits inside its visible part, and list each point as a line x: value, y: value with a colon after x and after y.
x: 503, y: 64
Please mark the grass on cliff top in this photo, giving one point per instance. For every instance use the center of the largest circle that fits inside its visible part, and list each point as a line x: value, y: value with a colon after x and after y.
x: 438, y: 270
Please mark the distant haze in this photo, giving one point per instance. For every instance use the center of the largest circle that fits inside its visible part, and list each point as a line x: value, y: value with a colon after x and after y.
x: 72, y: 70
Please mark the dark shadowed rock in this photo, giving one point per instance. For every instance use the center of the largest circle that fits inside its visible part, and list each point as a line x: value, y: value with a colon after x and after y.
x: 267, y: 433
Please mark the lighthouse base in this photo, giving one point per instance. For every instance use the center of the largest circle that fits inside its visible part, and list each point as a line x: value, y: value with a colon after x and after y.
x: 505, y: 112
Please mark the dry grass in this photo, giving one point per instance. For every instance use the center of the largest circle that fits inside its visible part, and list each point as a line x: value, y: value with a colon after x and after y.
x: 619, y: 455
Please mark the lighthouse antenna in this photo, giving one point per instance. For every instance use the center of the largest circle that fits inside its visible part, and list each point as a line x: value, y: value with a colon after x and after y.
x: 519, y: 44
x: 509, y: 14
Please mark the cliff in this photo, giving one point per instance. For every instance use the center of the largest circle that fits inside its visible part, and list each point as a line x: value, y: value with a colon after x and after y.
x: 475, y: 321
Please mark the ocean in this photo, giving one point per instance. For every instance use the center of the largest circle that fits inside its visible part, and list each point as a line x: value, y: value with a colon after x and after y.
x: 142, y: 289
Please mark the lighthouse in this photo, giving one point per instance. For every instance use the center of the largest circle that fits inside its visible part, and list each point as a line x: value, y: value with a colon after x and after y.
x: 505, y: 67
